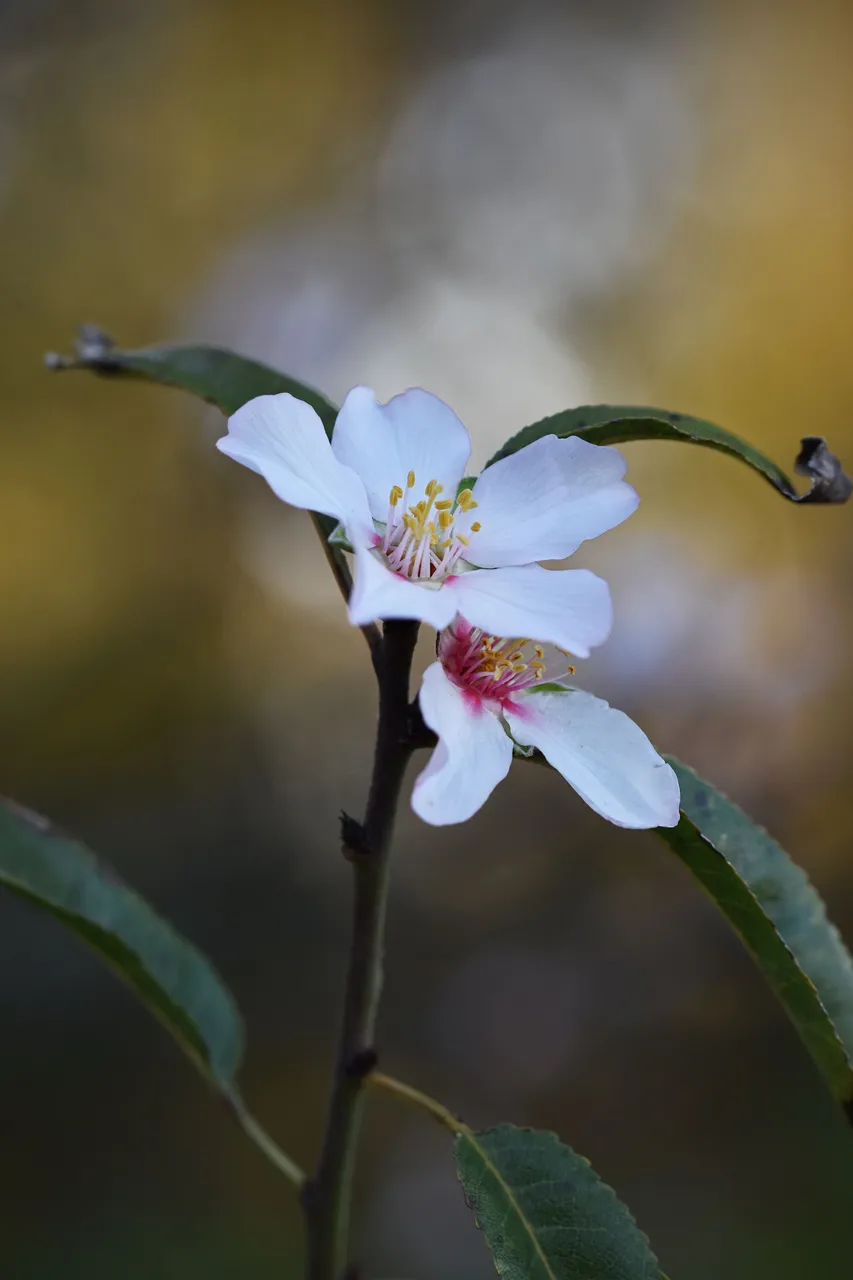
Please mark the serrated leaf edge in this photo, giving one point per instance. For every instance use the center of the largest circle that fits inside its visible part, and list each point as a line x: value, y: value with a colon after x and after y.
x: 466, y: 1132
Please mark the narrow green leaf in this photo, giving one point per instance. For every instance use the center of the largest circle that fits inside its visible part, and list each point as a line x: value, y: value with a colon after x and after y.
x: 214, y: 374
x: 60, y: 876
x: 777, y: 913
x: 623, y: 424
x: 543, y: 1211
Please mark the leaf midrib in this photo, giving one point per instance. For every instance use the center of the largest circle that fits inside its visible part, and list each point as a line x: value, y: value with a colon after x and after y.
x: 487, y: 1160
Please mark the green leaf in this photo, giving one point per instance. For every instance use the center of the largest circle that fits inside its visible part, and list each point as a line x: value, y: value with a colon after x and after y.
x: 772, y: 906
x: 216, y: 375
x: 544, y: 1212
x: 623, y: 424
x: 55, y: 873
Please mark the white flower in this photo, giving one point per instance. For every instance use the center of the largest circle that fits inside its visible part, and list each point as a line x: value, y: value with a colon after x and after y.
x: 424, y: 551
x: 483, y: 689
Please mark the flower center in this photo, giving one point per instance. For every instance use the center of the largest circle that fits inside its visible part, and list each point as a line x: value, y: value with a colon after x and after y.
x: 420, y: 541
x: 490, y: 667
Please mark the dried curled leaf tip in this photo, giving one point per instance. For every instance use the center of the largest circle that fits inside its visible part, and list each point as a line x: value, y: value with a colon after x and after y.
x: 830, y: 483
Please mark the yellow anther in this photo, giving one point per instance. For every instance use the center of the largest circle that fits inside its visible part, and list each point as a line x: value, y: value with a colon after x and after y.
x: 445, y: 519
x: 410, y: 480
x: 460, y: 537
x: 433, y: 489
x: 476, y: 526
x: 571, y: 671
x: 465, y: 500
x: 396, y: 495
x: 518, y: 667
x: 444, y: 505
x: 539, y: 651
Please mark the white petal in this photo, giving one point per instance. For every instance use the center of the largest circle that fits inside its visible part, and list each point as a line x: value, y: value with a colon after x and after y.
x: 602, y: 754
x: 473, y: 753
x: 379, y: 593
x: 544, y: 501
x: 282, y: 439
x: 414, y: 431
x: 567, y: 607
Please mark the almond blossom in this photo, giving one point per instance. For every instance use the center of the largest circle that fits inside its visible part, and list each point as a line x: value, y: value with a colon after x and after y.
x: 427, y: 548
x: 485, y: 693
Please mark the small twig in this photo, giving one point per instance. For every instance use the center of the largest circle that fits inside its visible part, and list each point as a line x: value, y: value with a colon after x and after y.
x: 326, y: 1197
x: 418, y: 732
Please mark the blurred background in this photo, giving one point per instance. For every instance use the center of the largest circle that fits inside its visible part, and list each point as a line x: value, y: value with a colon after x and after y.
x: 520, y: 207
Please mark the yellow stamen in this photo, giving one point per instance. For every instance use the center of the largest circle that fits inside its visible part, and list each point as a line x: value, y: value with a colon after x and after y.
x: 444, y: 505
x: 396, y: 495
x: 476, y: 526
x: 460, y: 537
x: 465, y: 500
x: 410, y: 480
x: 445, y: 519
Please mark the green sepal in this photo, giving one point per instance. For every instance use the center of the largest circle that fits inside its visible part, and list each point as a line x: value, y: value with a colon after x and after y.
x: 338, y: 538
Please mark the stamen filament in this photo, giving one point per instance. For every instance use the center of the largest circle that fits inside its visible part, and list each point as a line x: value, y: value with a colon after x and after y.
x: 416, y: 546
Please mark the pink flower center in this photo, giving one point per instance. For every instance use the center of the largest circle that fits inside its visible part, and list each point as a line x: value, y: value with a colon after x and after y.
x: 420, y: 540
x: 490, y: 668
